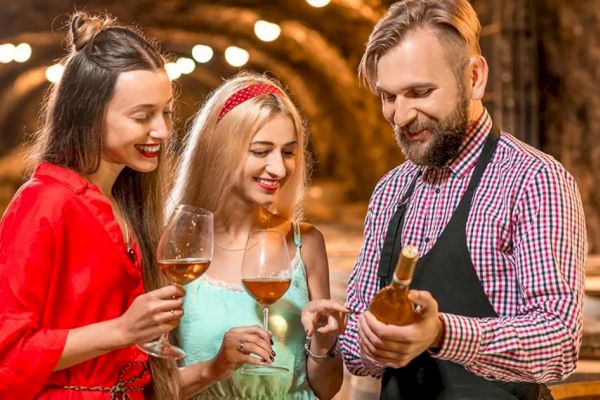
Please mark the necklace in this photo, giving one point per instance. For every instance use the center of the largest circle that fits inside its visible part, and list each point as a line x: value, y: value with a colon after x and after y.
x: 228, y: 249
x: 242, y: 248
x: 128, y: 249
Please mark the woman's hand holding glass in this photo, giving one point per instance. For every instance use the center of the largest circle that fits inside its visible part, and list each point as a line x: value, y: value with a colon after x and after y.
x: 151, y: 315
x: 241, y: 345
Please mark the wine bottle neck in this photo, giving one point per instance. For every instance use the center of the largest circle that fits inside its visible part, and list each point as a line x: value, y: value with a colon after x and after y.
x: 399, y: 283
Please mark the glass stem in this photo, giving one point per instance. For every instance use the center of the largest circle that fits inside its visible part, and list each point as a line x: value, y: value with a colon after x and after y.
x: 266, y: 318
x: 164, y: 340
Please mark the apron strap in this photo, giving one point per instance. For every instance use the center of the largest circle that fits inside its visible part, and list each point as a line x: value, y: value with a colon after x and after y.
x: 391, y: 245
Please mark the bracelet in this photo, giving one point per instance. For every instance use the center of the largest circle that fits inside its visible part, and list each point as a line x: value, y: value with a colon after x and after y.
x: 332, y: 353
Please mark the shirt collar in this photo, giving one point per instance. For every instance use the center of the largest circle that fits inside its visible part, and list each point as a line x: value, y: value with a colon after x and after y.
x: 470, y: 149
x: 69, y: 177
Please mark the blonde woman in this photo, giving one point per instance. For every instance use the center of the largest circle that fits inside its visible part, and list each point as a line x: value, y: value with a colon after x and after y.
x: 245, y: 160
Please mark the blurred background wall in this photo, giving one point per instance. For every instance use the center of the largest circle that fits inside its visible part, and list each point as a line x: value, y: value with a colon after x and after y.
x: 544, y: 57
x: 544, y: 87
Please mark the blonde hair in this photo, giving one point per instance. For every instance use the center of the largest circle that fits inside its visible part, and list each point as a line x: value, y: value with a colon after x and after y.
x: 454, y: 20
x: 215, y: 150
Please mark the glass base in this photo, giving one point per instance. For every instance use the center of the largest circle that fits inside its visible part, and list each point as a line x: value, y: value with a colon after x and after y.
x: 160, y: 349
x: 251, y: 369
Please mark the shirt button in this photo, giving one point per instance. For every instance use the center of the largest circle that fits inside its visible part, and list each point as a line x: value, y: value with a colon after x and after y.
x: 426, y: 240
x: 437, y: 191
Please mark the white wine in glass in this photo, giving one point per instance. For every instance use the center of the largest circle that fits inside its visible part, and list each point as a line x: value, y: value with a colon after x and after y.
x: 184, y: 253
x: 266, y: 276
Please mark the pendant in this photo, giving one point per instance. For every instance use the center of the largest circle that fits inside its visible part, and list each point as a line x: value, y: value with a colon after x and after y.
x: 131, y: 255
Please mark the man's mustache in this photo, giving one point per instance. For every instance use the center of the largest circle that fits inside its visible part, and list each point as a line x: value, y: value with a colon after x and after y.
x: 415, y: 127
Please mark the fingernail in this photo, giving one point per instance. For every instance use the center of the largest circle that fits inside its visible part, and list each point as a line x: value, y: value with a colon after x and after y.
x: 272, y: 359
x: 273, y: 353
x: 271, y: 341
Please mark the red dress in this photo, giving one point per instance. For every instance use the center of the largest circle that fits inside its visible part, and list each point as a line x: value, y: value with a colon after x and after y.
x: 63, y: 265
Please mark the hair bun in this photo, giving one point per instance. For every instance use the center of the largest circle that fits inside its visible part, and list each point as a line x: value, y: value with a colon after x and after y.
x: 84, y: 28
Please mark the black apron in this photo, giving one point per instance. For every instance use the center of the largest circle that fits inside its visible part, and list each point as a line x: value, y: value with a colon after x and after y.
x: 448, y: 273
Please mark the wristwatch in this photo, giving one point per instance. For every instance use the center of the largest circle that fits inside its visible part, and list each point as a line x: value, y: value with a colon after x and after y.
x: 332, y: 353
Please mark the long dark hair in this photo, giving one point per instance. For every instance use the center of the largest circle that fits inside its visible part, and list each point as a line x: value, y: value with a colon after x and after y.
x: 71, y: 136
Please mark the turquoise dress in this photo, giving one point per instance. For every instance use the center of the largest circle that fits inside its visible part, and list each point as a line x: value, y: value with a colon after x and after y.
x: 213, y: 307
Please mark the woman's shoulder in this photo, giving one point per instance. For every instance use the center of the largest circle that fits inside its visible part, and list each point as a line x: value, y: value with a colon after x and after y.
x: 52, y: 184
x: 36, y: 210
x: 310, y: 234
x: 302, y: 233
x: 313, y: 245
x: 40, y: 196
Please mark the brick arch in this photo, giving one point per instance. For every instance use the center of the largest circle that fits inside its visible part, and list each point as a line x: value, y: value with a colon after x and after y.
x: 316, y: 62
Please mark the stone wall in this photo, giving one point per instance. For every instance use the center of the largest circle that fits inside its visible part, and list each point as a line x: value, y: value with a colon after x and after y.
x: 569, y: 45
x: 353, y: 145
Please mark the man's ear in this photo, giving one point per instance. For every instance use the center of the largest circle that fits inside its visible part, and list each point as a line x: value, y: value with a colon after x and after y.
x: 477, y: 71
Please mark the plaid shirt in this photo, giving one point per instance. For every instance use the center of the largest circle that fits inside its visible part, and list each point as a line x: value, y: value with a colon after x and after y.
x: 527, y: 239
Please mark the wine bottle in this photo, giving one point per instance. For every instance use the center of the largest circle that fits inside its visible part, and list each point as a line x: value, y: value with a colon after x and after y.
x: 390, y: 305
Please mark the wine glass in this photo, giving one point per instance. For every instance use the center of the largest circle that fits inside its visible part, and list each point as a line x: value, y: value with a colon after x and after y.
x: 184, y: 253
x: 266, y: 276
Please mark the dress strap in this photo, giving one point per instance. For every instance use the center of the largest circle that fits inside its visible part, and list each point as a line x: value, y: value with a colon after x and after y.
x: 297, y: 238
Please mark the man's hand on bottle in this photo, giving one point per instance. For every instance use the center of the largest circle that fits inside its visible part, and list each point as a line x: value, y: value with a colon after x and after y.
x: 395, y: 346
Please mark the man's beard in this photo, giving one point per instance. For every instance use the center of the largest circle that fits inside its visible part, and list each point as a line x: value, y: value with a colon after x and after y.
x: 447, y: 136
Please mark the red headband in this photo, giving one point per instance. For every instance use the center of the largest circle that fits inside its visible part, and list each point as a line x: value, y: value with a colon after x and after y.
x: 246, y: 94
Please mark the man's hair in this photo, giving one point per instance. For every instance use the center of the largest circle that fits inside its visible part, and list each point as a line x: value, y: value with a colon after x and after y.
x: 453, y: 21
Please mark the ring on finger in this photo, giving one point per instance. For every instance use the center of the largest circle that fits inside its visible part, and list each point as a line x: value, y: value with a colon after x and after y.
x: 172, y: 312
x: 242, y: 348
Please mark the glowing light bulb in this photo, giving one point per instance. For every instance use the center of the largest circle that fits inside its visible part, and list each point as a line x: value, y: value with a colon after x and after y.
x: 318, y: 3
x: 185, y: 65
x: 236, y: 56
x: 7, y: 53
x: 202, y: 53
x: 172, y: 70
x: 22, y: 52
x: 266, y: 31
x: 54, y: 73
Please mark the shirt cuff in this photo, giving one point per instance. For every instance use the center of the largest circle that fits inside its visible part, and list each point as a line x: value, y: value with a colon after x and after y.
x: 462, y: 339
x: 374, y: 367
x: 355, y: 360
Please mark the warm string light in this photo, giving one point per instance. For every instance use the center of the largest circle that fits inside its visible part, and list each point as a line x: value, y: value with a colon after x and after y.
x: 22, y: 52
x: 201, y: 53
x: 266, y: 31
x: 236, y: 56
x: 9, y: 52
x: 318, y: 3
x: 172, y: 70
x: 185, y: 65
x: 54, y: 73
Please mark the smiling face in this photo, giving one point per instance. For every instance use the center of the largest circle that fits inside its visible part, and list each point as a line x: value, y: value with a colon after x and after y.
x: 423, y: 100
x: 138, y: 119
x: 270, y: 162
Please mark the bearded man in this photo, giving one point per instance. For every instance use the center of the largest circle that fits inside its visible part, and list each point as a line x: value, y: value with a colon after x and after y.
x: 499, y: 226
